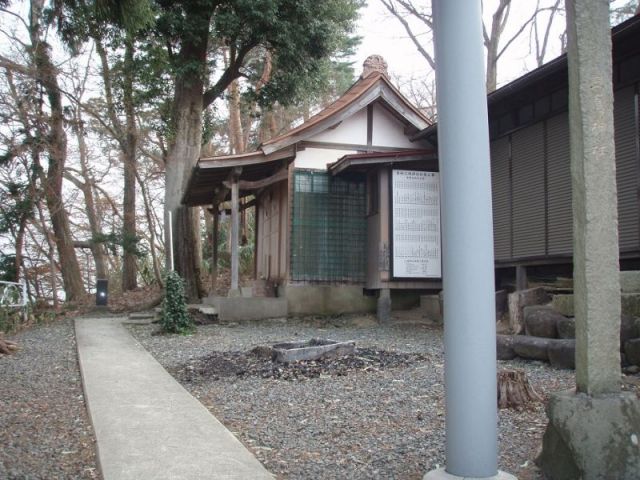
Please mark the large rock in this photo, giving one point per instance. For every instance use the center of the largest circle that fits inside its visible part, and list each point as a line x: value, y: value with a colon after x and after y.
x: 563, y: 304
x: 562, y: 353
x: 632, y: 351
x: 533, y: 348
x: 504, y: 347
x: 520, y: 299
x: 541, y: 321
x: 628, y: 328
x: 591, y: 437
x: 567, y: 327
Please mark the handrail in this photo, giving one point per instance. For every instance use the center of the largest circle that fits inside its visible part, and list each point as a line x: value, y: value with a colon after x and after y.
x: 13, y: 295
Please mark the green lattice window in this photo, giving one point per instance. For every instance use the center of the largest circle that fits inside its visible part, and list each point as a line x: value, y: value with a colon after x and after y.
x: 329, y: 228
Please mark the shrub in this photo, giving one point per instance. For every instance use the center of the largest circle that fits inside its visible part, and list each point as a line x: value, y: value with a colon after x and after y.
x: 175, y: 318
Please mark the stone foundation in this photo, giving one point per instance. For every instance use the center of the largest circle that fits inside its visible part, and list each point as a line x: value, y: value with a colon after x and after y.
x: 591, y: 437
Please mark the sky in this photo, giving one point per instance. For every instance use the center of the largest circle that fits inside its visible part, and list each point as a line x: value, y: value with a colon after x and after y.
x: 383, y: 34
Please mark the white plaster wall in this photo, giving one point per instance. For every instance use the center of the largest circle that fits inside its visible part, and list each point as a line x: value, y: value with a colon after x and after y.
x: 351, y: 130
x: 318, y: 158
x: 388, y: 131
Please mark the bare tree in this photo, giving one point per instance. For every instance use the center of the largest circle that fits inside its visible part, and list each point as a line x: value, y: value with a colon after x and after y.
x: 417, y: 21
x: 46, y: 75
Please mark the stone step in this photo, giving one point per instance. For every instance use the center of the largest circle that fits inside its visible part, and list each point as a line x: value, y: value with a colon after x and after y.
x: 203, y: 309
x: 140, y: 318
x: 630, y: 304
x: 141, y: 315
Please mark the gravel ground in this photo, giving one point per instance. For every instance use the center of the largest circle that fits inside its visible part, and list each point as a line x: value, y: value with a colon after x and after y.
x: 45, y: 432
x: 386, y: 422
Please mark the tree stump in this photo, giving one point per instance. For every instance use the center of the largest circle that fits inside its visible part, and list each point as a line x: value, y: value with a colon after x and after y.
x: 514, y: 389
x: 6, y: 347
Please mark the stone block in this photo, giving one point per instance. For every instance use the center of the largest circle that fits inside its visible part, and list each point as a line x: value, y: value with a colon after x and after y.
x: 533, y: 348
x: 326, y: 299
x: 566, y: 327
x: 591, y: 437
x: 312, y: 350
x: 431, y: 307
x: 630, y: 304
x: 234, y: 309
x: 541, y: 321
x: 632, y: 351
x: 520, y: 299
x: 630, y: 281
x: 562, y: 353
x: 504, y: 347
x: 563, y: 304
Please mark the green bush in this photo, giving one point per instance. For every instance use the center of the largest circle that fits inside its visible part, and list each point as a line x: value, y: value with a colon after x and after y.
x: 175, y: 318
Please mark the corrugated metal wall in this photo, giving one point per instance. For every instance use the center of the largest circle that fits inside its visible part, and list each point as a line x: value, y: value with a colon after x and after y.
x: 626, y: 168
x: 559, y: 214
x: 531, y: 181
x: 528, y: 193
x: 501, y: 190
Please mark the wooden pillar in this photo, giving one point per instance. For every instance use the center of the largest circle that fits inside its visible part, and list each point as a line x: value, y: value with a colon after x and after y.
x: 214, y: 249
x: 235, y: 229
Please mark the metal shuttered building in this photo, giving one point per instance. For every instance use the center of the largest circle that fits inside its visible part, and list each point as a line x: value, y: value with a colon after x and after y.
x: 626, y: 136
x: 559, y: 213
x: 528, y: 191
x: 501, y: 192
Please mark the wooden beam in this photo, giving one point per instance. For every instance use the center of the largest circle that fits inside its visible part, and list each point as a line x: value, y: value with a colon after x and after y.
x: 265, y: 182
x: 220, y: 193
x: 249, y: 204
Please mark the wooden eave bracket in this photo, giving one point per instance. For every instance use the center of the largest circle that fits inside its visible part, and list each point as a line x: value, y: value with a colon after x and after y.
x: 280, y: 176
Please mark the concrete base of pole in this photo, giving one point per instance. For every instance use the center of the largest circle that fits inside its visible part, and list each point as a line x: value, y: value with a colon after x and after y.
x: 441, y: 474
x: 234, y: 292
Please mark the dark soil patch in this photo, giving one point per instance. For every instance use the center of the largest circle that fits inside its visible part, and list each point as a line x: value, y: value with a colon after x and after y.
x: 221, y: 365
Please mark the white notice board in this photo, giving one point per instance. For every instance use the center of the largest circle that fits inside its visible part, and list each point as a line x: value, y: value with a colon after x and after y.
x: 415, y: 204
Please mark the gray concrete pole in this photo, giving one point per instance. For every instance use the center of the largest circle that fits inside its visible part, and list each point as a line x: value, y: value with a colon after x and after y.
x: 595, y: 219
x: 235, y: 219
x: 467, y: 231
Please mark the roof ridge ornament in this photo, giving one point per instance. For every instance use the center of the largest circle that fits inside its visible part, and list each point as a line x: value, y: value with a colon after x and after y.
x: 374, y: 63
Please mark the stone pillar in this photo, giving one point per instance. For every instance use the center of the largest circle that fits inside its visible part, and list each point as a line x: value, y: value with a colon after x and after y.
x: 467, y: 231
x: 595, y: 219
x: 235, y: 240
x: 593, y: 433
x: 383, y: 310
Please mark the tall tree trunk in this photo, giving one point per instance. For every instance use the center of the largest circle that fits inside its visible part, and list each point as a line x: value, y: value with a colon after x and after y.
x: 20, y: 245
x: 50, y: 257
x: 97, y: 249
x: 57, y: 149
x: 151, y: 225
x: 129, y: 243
x: 235, y: 122
x: 182, y: 156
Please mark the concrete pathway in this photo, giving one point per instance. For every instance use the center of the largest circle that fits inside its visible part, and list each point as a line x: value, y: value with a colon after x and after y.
x: 147, y: 425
